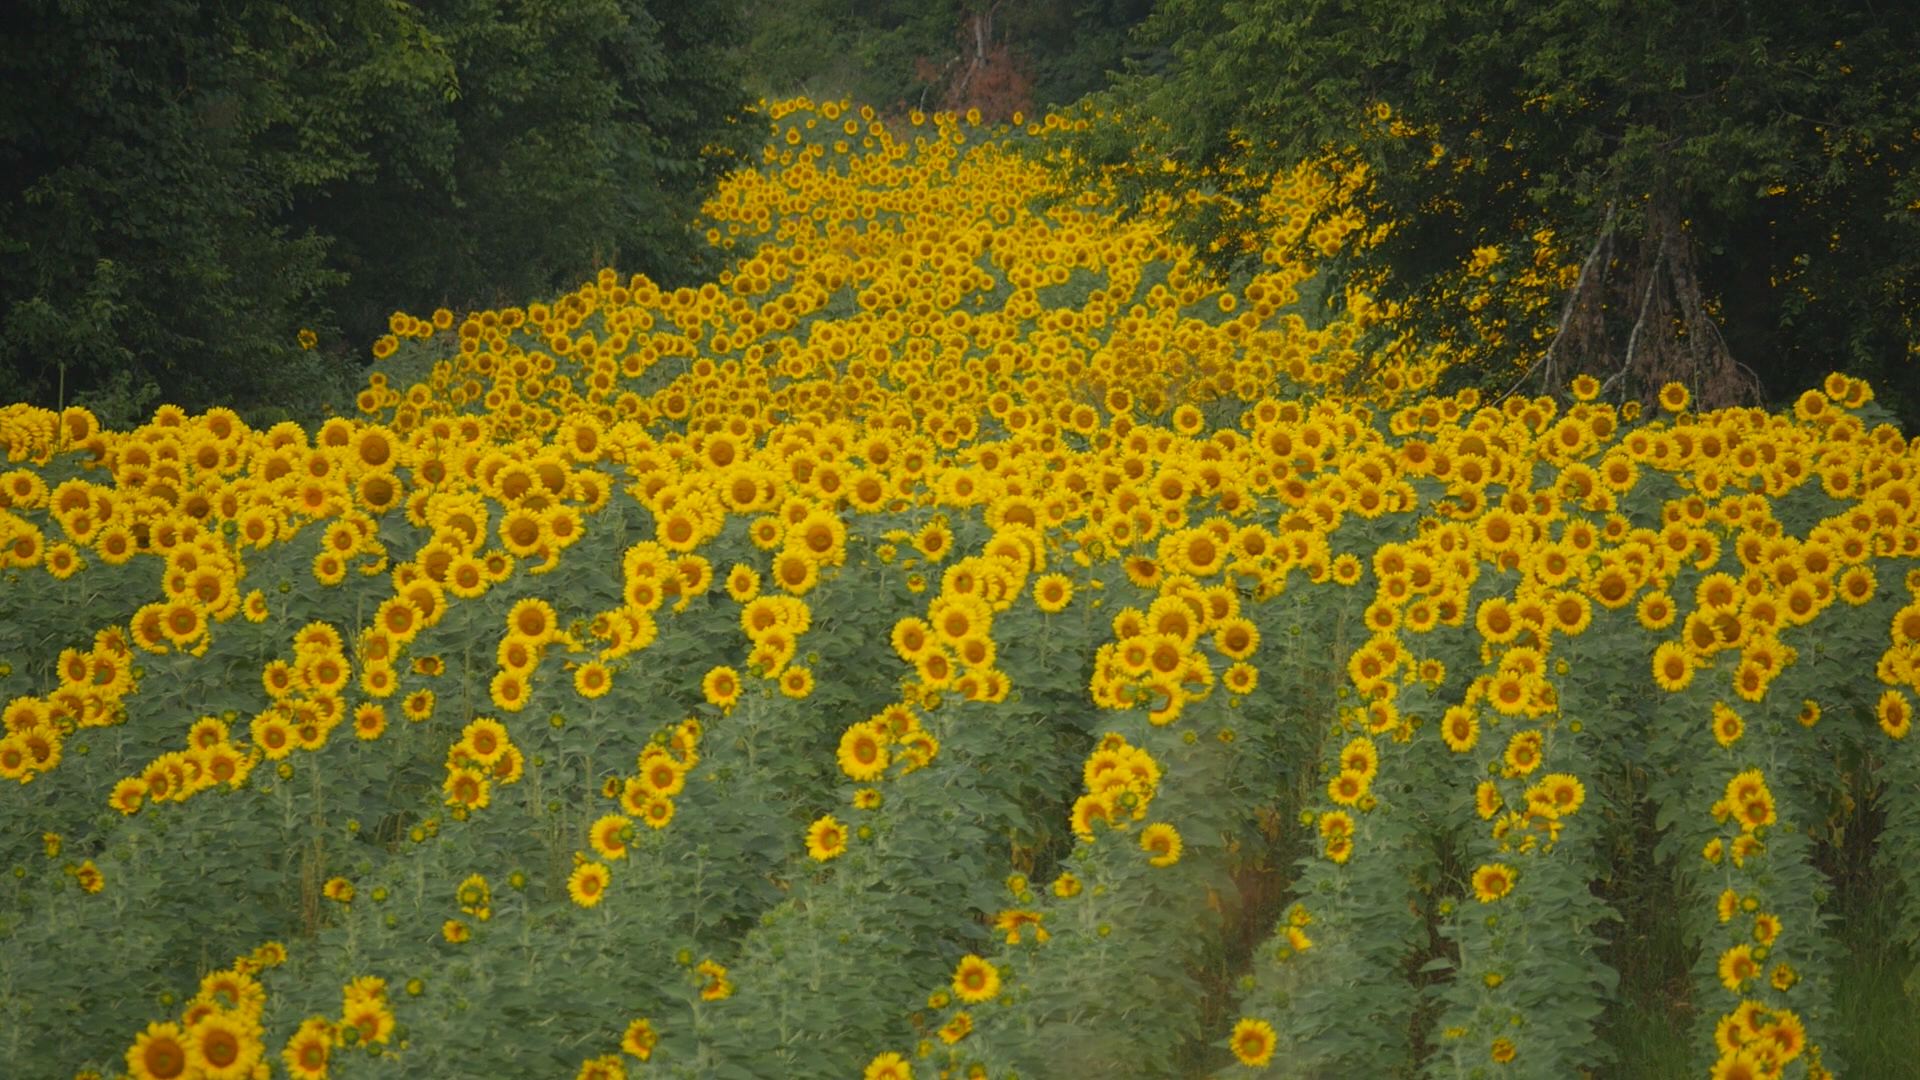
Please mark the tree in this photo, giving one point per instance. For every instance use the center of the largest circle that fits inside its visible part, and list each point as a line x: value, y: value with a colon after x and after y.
x: 186, y: 184
x: 1733, y: 180
x: 995, y: 55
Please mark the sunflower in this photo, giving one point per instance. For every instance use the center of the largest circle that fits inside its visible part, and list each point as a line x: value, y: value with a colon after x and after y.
x: 863, y: 753
x: 467, y: 577
x: 1491, y: 881
x: 1737, y: 967
x: 1052, y: 593
x: 484, y: 740
x: 743, y: 583
x: 1749, y: 801
x: 912, y: 638
x: 89, y: 878
x: 473, y: 894
x: 467, y: 789
x: 222, y: 1048
x: 307, y: 1052
x: 182, y: 623
x: 1727, y: 725
x: 128, y: 794
x: 826, y: 838
x: 592, y: 680
x: 957, y: 1027
x: 796, y: 571
x: 1162, y: 842
x: 1672, y: 666
x: 610, y: 836
x: 657, y: 812
x: 369, y: 721
x: 1655, y: 610
x: 533, y: 619
x: 796, y: 683
x: 508, y: 691
x: 158, y: 1053
x: 1347, y: 787
x: 521, y: 532
x: 1362, y: 757
x: 272, y: 734
x: 640, y: 1039
x: 604, y: 1067
x: 1895, y: 714
x: 1560, y: 793
x: 1253, y: 1041
x: 660, y: 774
x: 934, y: 541
x: 418, y: 705
x: 888, y: 1066
x: 587, y: 885
x: 975, y: 980
x: 717, y: 986
x: 1460, y: 728
x: 721, y: 687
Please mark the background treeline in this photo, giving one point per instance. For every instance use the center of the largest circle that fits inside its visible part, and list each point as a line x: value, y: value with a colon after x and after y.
x: 998, y: 56
x: 1737, y: 180
x: 185, y: 184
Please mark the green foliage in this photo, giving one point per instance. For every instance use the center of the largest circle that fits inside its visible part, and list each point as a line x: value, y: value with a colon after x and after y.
x: 1775, y: 144
x: 905, y: 53
x: 187, y: 186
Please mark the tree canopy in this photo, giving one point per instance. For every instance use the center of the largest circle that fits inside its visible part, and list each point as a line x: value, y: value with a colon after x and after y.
x: 995, y: 55
x: 186, y: 184
x: 1734, y: 178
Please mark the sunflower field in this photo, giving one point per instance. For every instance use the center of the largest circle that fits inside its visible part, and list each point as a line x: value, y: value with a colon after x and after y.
x: 964, y: 639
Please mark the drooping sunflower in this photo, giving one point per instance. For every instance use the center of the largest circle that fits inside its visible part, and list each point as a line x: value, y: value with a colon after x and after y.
x: 717, y: 986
